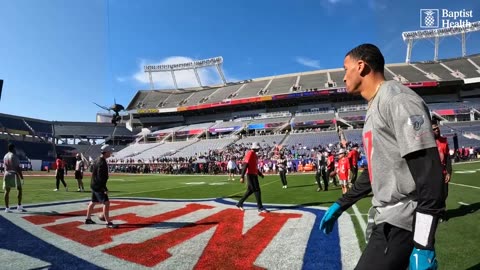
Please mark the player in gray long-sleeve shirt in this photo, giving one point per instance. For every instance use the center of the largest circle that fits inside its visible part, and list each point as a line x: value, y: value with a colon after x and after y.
x: 404, y: 170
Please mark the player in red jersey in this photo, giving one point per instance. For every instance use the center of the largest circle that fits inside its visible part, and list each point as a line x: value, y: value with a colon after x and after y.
x: 250, y: 167
x: 343, y: 170
x: 444, y: 152
x: 353, y: 156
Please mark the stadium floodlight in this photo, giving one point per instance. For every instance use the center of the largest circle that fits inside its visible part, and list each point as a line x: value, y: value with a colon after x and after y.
x: 410, y: 36
x: 183, y: 66
x: 215, y: 61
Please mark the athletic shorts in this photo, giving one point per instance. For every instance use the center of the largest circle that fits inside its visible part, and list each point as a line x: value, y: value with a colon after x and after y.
x: 343, y: 182
x: 11, y: 180
x: 78, y: 175
x: 99, y: 197
x: 232, y: 170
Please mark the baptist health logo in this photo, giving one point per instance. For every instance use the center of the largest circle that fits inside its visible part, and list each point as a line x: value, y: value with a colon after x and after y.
x: 443, y: 18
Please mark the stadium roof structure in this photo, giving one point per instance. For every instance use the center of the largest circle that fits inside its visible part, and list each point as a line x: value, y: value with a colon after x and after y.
x: 89, y: 130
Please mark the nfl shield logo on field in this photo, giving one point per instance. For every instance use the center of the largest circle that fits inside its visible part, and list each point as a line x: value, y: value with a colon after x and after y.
x: 175, y: 234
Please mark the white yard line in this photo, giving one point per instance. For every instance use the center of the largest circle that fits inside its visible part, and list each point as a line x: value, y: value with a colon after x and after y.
x: 462, y: 185
x: 361, y: 221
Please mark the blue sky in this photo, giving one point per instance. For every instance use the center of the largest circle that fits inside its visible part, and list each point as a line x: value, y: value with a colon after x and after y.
x: 59, y: 56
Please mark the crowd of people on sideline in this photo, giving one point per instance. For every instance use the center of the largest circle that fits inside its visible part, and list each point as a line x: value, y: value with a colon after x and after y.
x: 296, y: 158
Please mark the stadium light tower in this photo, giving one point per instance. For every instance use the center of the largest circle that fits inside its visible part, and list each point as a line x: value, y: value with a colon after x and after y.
x: 195, y: 65
x: 436, y: 34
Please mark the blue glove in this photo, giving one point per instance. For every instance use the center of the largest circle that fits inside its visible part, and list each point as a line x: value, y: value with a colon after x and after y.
x: 328, y: 220
x: 423, y: 259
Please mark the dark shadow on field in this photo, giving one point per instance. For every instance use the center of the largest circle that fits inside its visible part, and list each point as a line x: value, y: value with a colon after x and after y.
x: 463, y: 210
x: 307, y: 204
x: 51, y: 213
x: 475, y: 267
x: 165, y: 225
x: 325, y: 204
x: 312, y: 185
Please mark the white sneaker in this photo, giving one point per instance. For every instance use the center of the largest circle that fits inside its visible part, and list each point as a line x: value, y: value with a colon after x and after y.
x: 7, y: 210
x: 55, y: 189
x: 20, y: 209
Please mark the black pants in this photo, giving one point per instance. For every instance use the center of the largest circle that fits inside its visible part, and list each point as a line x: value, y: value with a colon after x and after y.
x: 354, y: 171
x: 253, y: 186
x: 60, y: 177
x: 283, y: 177
x: 335, y: 179
x: 322, y: 173
x: 389, y: 247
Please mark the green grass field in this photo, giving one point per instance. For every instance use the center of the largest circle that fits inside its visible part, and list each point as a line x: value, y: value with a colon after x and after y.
x: 457, y: 240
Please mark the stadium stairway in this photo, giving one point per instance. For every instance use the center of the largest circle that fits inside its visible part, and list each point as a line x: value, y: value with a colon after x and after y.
x: 344, y: 121
x: 33, y: 131
x: 181, y: 148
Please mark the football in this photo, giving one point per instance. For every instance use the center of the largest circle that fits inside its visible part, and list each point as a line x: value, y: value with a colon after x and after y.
x: 101, y: 217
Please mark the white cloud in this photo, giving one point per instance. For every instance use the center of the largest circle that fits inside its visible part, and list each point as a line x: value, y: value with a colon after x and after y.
x: 121, y: 79
x: 377, y: 5
x: 184, y: 78
x: 308, y: 62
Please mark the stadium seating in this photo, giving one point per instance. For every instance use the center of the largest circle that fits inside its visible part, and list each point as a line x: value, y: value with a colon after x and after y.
x: 11, y: 122
x: 353, y: 116
x: 388, y: 75
x: 154, y: 99
x: 464, y: 66
x: 270, y: 120
x: 224, y: 93
x: 230, y: 124
x: 35, y: 150
x: 44, y: 128
x: 173, y: 100
x: 203, y: 147
x: 161, y: 149
x: 408, y: 72
x: 437, y: 69
x: 312, y: 81
x: 137, y: 101
x: 313, y: 117
x: 134, y: 149
x: 198, y: 97
x: 311, y: 140
x: 353, y: 135
x: 196, y: 126
x: 337, y: 76
x: 89, y: 129
x: 165, y: 131
x: 446, y: 106
x: 251, y: 89
x: 475, y: 59
x: 281, y: 85
x: 269, y: 140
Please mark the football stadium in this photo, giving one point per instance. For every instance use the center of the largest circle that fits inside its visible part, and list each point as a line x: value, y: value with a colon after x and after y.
x: 170, y: 185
